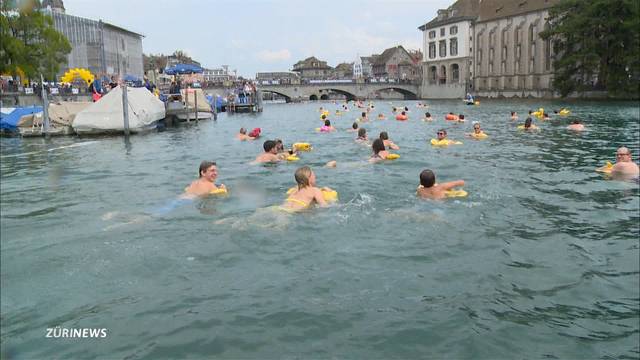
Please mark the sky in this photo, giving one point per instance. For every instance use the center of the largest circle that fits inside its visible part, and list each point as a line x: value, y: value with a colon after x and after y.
x: 258, y: 35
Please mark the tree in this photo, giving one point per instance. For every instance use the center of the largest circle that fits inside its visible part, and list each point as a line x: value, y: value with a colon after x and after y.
x: 30, y: 42
x: 154, y: 62
x: 597, y: 46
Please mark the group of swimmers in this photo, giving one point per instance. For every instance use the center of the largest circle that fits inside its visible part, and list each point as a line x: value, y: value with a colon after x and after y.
x: 307, y: 194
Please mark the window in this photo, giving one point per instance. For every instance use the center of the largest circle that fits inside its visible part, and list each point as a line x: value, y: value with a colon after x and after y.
x: 453, y: 47
x: 433, y: 74
x: 432, y: 50
x: 442, y: 32
x: 443, y: 74
x: 455, y: 73
x: 432, y: 34
x: 442, y: 48
x: 453, y: 30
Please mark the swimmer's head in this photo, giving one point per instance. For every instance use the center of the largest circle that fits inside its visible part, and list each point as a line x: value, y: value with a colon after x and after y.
x: 476, y: 126
x: 205, y: 167
x: 377, y: 146
x: 623, y: 154
x: 323, y: 117
x: 243, y: 131
x: 513, y: 113
x: 364, y: 114
x: 403, y: 113
x: 362, y: 132
x: 576, y: 121
x: 427, y: 178
x: 530, y: 112
x: 527, y: 123
x: 327, y: 123
x: 269, y: 145
x: 461, y: 117
x: 427, y: 114
x: 406, y: 108
x: 384, y: 135
x: 304, y: 177
x: 442, y: 133
x: 354, y: 126
x: 279, y: 145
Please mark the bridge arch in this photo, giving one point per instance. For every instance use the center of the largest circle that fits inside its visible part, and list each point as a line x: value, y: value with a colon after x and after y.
x: 408, y: 95
x: 287, y: 98
x: 347, y: 94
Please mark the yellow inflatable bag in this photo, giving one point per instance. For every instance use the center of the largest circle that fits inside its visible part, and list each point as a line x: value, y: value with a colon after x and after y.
x: 455, y: 193
x: 606, y: 169
x: 533, y: 127
x: 292, y: 158
x: 444, y: 142
x: 219, y: 191
x: 329, y: 196
x: 479, y: 136
x: 392, y: 156
x: 302, y: 147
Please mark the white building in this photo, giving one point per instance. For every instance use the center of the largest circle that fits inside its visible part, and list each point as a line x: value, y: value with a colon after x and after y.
x: 448, y: 52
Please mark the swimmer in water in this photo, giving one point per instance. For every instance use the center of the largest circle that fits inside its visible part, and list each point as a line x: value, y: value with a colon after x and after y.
x: 427, y: 117
x: 327, y: 127
x: 242, y: 135
x: 283, y: 153
x: 461, y: 118
x: 363, y: 117
x: 528, y: 124
x: 576, y: 125
x: 306, y: 193
x: 428, y: 188
x: 514, y: 115
x: 387, y: 142
x: 379, y: 151
x: 477, y: 131
x: 381, y: 116
x: 362, y: 135
x: 354, y: 127
x: 205, y: 184
x: 270, y: 153
x: 624, y: 165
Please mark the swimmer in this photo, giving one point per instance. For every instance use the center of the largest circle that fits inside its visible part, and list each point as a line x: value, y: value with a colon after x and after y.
x: 528, y: 124
x: 270, y: 153
x: 624, y: 165
x: 576, y: 125
x: 379, y: 151
x: 428, y: 188
x: 283, y: 153
x: 381, y: 116
x: 354, y: 127
x: 514, y: 115
x: 477, y: 131
x: 323, y: 117
x: 460, y: 118
x: 545, y: 116
x: 306, y: 194
x: 362, y: 135
x: 394, y: 110
x: 363, y: 117
x: 327, y: 127
x: 242, y: 135
x: 331, y: 164
x: 205, y: 184
x: 388, y: 143
x: 406, y: 108
x: 427, y: 117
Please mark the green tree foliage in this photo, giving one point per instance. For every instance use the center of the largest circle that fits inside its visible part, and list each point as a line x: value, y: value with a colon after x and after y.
x: 29, y: 42
x: 154, y: 62
x: 597, y: 43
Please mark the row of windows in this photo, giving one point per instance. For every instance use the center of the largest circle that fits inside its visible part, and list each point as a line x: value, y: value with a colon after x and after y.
x: 452, y: 31
x: 441, y: 77
x: 442, y: 48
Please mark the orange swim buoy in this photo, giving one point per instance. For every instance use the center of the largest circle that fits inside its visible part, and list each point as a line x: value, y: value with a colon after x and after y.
x: 451, y: 117
x: 401, y: 117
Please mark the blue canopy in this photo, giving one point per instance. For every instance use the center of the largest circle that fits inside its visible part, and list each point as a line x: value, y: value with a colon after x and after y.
x: 10, y: 121
x: 180, y: 69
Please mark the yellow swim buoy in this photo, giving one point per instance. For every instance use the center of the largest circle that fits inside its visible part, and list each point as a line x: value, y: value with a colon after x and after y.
x: 219, y: 191
x: 479, y: 136
x: 392, y: 156
x: 329, y: 196
x: 292, y: 158
x: 455, y: 193
x: 606, y: 168
x: 477, y: 103
x: 521, y: 127
x: 444, y: 142
x: 564, y: 112
x: 302, y: 146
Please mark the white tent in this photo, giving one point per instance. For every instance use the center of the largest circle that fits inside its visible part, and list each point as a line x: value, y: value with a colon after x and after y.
x: 105, y: 115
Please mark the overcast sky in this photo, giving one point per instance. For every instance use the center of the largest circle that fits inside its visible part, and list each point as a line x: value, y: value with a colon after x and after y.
x: 261, y: 35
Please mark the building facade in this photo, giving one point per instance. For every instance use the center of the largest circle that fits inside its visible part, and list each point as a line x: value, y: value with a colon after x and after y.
x: 489, y: 48
x: 218, y: 75
x: 103, y: 48
x: 510, y: 58
x: 447, y: 50
x: 396, y: 63
x: 312, y: 68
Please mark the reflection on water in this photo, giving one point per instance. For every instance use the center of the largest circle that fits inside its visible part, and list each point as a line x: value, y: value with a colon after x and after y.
x: 544, y: 250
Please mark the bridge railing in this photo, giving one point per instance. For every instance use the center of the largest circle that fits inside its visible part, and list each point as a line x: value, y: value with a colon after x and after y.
x: 339, y: 82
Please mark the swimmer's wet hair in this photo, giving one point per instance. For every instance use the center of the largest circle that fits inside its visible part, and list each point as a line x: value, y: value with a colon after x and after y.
x: 355, y: 125
x: 362, y: 132
x: 427, y: 178
x: 427, y: 114
x: 377, y: 146
x: 204, y: 166
x: 243, y: 131
x: 384, y: 135
x: 268, y: 145
x: 302, y: 176
x: 327, y: 123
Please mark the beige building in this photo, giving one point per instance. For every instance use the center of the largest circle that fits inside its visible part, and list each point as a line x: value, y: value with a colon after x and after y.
x: 498, y: 50
x: 312, y: 68
x: 510, y: 58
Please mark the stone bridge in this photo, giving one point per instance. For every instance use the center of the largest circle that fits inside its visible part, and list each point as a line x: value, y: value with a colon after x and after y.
x: 321, y: 91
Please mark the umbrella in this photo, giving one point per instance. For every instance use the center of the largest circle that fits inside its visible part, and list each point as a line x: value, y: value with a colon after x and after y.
x: 183, y: 69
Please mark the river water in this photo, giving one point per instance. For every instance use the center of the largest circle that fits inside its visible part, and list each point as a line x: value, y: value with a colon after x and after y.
x: 541, y: 260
